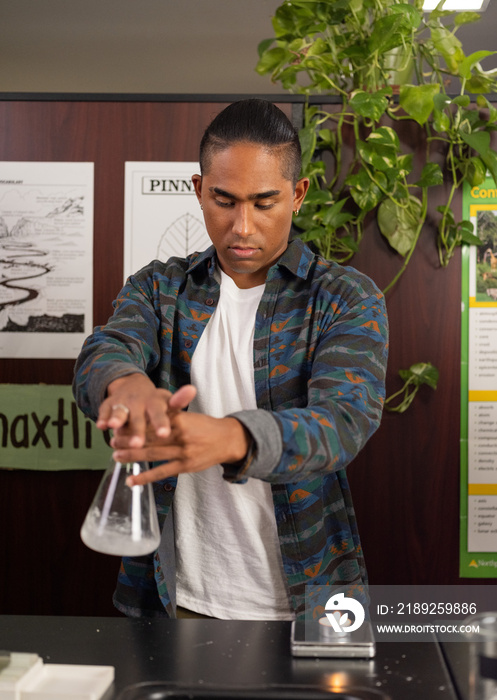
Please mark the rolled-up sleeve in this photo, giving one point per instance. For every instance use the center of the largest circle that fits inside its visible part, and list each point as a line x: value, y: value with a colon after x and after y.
x: 344, y: 403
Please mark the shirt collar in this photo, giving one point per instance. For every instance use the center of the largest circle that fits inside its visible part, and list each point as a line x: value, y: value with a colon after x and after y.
x: 297, y: 258
x: 207, y: 256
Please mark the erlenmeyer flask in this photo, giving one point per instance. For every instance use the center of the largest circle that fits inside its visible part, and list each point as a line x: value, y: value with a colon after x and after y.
x: 122, y: 520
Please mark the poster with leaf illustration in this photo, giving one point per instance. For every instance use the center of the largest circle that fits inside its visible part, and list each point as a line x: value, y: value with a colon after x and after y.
x: 162, y: 214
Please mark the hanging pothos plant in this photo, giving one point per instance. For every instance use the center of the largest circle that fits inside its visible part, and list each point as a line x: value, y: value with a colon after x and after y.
x: 356, y: 51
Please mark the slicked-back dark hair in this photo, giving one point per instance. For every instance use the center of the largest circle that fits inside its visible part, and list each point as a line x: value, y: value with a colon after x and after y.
x: 253, y: 121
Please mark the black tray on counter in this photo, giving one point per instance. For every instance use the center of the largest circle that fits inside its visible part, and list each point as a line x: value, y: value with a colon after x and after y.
x: 165, y: 691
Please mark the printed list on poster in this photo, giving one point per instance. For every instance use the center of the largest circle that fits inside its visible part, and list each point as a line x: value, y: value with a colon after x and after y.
x: 482, y: 411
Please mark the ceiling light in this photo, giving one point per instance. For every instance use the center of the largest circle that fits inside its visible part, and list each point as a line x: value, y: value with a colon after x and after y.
x: 456, y: 5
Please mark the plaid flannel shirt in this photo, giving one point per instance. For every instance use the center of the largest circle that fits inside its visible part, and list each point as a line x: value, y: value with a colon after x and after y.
x: 320, y: 353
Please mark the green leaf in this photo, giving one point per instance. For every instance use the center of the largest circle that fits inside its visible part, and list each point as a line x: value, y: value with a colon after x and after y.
x: 447, y: 213
x: 462, y: 100
x: 349, y: 244
x: 482, y: 101
x: 410, y: 12
x: 441, y: 121
x: 272, y: 60
x: 357, y: 53
x: 288, y: 78
x: 315, y: 196
x: 471, y: 117
x: 264, y: 45
x: 327, y: 138
x: 431, y: 176
x: 479, y: 141
x: 449, y: 46
x: 318, y: 47
x: 365, y: 193
x: 471, y: 61
x: 388, y: 32
x: 455, y: 234
x: 469, y: 238
x: 385, y: 136
x: 370, y: 105
x: 292, y: 20
x: 316, y: 169
x: 421, y: 373
x: 476, y: 171
x: 379, y: 156
x: 417, y: 100
x: 466, y: 18
x: 382, y: 178
x: 298, y: 45
x: 308, y: 138
x: 309, y: 113
x: 404, y: 164
x: 481, y: 83
x: 437, y: 13
x: 414, y: 377
x: 312, y: 234
x: 399, y: 222
x: 334, y: 216
x: 441, y: 101
x: 490, y: 160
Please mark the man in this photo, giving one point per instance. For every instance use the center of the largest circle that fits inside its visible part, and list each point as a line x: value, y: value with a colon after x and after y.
x: 279, y: 356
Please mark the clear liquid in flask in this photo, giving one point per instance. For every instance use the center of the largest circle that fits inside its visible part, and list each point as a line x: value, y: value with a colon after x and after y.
x: 122, y: 520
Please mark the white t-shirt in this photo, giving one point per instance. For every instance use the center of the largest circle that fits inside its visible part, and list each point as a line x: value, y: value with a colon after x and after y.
x: 227, y: 553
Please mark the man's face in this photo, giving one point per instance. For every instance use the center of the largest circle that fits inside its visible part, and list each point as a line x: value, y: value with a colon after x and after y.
x: 248, y: 206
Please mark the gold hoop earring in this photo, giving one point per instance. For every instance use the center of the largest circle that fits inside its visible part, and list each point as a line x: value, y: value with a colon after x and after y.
x: 296, y: 212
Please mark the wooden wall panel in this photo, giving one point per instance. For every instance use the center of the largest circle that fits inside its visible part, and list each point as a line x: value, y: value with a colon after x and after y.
x: 405, y: 483
x: 45, y: 569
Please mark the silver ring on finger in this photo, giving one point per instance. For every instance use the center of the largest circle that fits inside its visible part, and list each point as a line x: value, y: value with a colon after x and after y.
x: 120, y: 407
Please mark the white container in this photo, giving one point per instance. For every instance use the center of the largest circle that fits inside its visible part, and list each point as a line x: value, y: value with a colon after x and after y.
x: 26, y: 677
x: 18, y: 671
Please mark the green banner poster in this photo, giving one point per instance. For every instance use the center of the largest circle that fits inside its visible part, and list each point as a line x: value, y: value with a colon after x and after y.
x: 42, y: 428
x: 478, y: 505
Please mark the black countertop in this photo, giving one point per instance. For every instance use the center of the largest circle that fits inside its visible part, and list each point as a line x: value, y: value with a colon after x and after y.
x: 207, y: 654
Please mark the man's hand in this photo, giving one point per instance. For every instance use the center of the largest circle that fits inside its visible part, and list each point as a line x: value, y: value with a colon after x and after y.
x: 135, y: 405
x: 196, y: 442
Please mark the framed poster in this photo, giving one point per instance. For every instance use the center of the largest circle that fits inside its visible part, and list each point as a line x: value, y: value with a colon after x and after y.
x: 478, y: 541
x: 162, y: 215
x: 46, y: 258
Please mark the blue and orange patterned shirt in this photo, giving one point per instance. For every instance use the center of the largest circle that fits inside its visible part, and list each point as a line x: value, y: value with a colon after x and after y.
x: 320, y: 354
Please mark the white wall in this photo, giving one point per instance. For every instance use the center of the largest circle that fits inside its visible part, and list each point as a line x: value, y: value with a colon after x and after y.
x: 150, y: 46
x: 157, y: 46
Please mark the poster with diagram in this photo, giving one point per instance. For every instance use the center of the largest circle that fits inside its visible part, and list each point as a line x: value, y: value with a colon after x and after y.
x: 46, y: 258
x: 478, y: 543
x: 162, y: 215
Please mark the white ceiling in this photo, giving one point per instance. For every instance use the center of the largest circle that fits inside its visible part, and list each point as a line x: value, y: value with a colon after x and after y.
x: 150, y: 46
